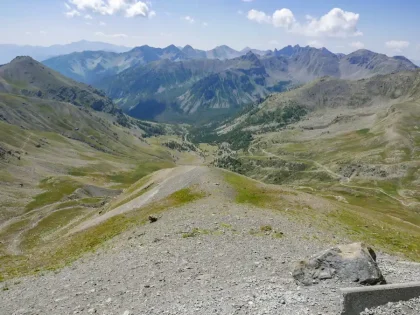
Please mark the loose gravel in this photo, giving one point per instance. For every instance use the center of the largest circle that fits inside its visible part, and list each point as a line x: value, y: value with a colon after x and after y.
x: 208, y: 257
x: 411, y: 307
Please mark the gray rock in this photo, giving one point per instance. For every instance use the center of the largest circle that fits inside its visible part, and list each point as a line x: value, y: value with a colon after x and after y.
x: 354, y: 262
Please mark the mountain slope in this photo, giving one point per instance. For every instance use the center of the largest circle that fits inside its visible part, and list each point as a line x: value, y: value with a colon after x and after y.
x: 331, y: 93
x: 9, y: 51
x: 50, y: 125
x: 364, y: 63
x: 28, y: 77
x: 357, y: 140
x: 62, y: 158
x: 186, y: 88
x: 90, y: 67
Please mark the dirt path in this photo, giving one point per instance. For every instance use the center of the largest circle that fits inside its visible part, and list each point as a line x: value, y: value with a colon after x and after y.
x: 168, y: 181
x: 345, y: 180
x: 28, y: 138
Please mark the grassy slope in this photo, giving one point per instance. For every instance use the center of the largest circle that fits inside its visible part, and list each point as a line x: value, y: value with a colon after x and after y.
x: 382, y: 210
x: 358, y: 147
x: 372, y: 220
x: 41, y: 252
x: 51, y: 166
x: 49, y: 150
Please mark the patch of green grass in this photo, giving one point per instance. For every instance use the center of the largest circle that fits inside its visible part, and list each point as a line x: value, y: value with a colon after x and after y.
x: 130, y: 177
x: 101, y: 168
x: 140, y: 183
x: 186, y: 195
x: 48, y: 225
x: 226, y: 226
x: 85, y: 202
x: 363, y: 131
x: 56, y: 254
x: 14, y: 228
x: 195, y: 232
x: 380, y: 231
x: 56, y: 189
x: 277, y: 234
x: 130, y: 198
x: 266, y: 228
x: 249, y: 191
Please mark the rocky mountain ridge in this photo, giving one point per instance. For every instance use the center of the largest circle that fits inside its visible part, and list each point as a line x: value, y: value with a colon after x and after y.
x: 191, y: 87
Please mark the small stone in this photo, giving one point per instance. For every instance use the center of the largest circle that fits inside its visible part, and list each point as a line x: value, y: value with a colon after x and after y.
x: 152, y: 219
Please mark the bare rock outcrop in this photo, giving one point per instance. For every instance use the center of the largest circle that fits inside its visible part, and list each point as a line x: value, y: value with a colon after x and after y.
x: 347, y: 263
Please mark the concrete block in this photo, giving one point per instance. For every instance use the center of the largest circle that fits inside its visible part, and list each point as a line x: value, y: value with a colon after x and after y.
x: 356, y: 300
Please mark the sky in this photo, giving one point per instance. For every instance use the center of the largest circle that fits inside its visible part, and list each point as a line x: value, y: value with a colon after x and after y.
x: 385, y: 26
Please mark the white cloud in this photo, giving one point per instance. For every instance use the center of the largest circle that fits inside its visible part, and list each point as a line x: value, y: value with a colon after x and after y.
x: 102, y: 23
x: 315, y: 43
x: 88, y: 17
x: 336, y: 23
x: 258, y: 16
x: 284, y: 18
x: 189, y: 19
x: 101, y: 34
x: 67, y: 6
x: 247, y: 0
x: 240, y: 12
x: 205, y: 24
x: 357, y: 45
x: 130, y: 8
x: 152, y: 14
x: 137, y: 9
x: 72, y: 13
x: 397, y: 45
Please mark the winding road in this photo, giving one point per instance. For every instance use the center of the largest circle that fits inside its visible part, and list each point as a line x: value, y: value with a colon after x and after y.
x: 344, y: 180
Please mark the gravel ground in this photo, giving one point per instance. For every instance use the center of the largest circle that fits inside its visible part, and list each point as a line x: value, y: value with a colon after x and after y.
x: 221, y: 268
x: 411, y: 307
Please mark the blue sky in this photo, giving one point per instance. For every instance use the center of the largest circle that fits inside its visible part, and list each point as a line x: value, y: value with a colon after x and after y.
x: 342, y: 26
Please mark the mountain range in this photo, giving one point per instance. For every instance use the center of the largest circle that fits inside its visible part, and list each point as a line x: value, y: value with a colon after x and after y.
x: 91, y: 66
x: 74, y: 168
x: 10, y: 51
x: 169, y: 84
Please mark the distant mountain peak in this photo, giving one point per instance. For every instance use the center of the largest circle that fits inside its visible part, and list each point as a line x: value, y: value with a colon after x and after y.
x: 250, y: 56
x: 172, y: 47
x: 22, y: 58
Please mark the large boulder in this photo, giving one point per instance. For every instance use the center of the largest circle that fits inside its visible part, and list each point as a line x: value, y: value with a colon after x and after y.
x: 347, y: 263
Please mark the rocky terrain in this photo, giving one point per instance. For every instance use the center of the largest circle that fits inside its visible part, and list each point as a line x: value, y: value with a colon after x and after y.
x: 410, y: 307
x: 209, y: 256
